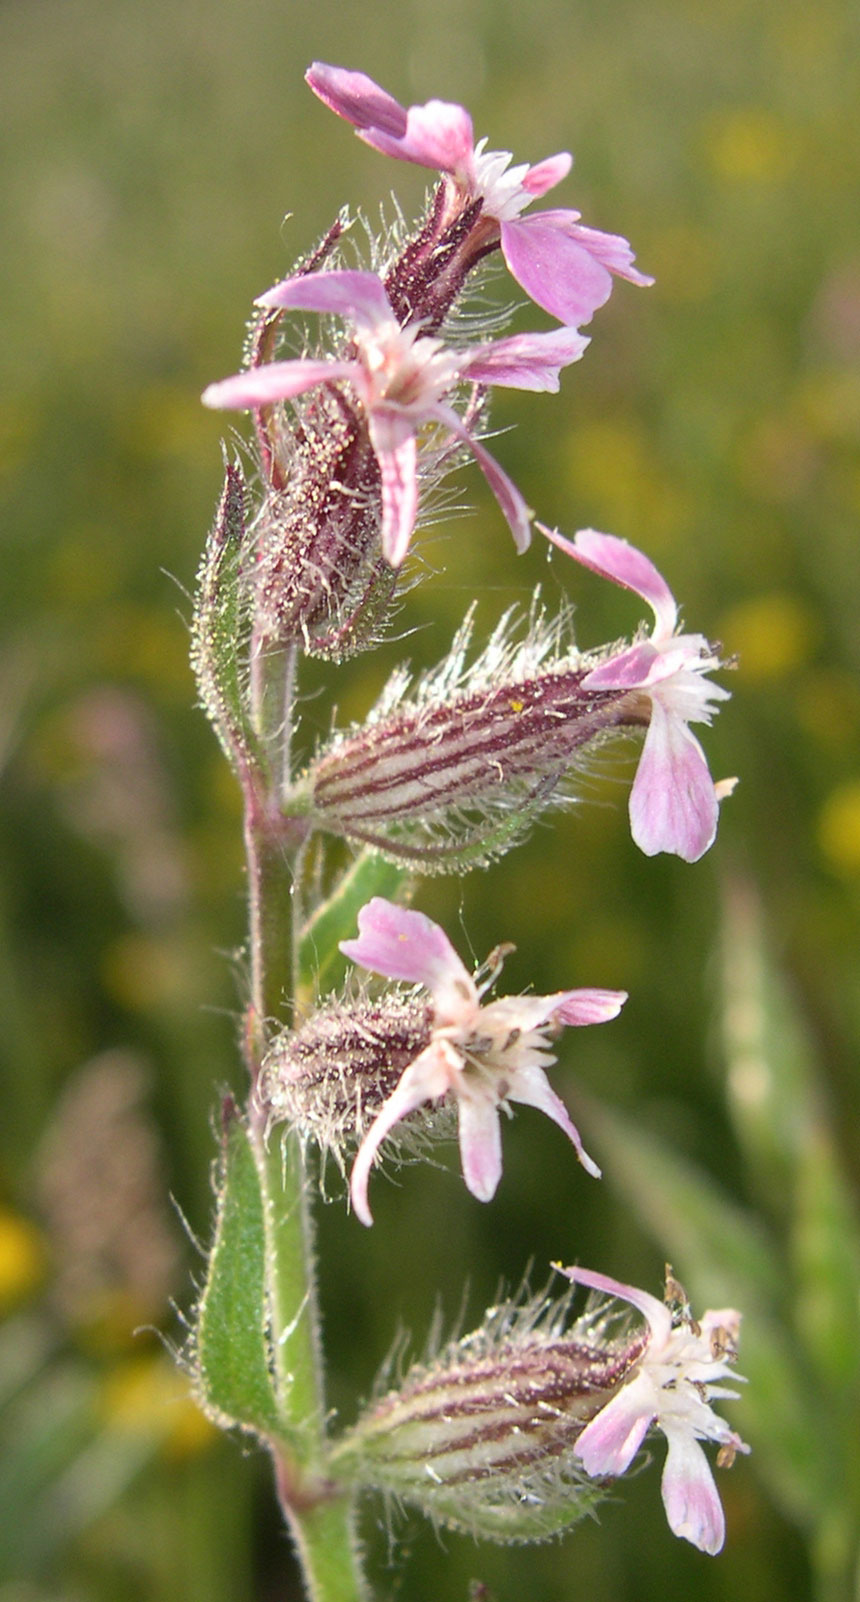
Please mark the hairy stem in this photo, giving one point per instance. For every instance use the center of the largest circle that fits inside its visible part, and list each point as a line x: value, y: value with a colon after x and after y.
x: 319, y: 1519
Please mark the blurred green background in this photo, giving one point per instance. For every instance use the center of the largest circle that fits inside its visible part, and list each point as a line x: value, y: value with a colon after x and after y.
x: 151, y: 152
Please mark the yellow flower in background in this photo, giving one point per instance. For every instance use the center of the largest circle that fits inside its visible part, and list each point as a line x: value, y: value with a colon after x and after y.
x: 22, y: 1259
x: 839, y: 829
x: 150, y: 1398
x: 750, y: 144
x: 771, y: 635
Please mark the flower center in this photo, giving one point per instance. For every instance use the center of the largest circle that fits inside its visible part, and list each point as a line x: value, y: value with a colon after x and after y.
x: 409, y: 369
x: 500, y: 189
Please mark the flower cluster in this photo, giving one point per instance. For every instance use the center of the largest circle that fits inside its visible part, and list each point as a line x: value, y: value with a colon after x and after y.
x: 400, y: 374
x: 364, y: 394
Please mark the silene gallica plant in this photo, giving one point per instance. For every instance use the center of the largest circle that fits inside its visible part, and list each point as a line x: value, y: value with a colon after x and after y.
x: 366, y: 1037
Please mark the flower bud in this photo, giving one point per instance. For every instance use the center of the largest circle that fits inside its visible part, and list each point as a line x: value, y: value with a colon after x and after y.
x: 321, y: 580
x: 221, y: 626
x: 452, y: 774
x: 481, y: 1439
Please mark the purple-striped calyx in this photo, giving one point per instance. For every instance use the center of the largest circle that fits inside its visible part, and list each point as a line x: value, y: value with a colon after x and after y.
x: 482, y: 1436
x: 450, y: 771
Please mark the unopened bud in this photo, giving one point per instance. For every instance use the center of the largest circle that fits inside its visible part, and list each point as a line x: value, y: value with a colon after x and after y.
x: 221, y: 625
x: 322, y: 582
x: 482, y: 1439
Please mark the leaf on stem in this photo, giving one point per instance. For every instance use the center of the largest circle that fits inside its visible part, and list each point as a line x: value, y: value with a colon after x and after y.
x: 322, y: 965
x: 231, y: 1342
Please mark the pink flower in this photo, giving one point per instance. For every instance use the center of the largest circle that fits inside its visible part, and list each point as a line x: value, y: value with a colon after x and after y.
x: 565, y: 267
x: 401, y: 377
x: 674, y: 802
x: 679, y: 1371
x: 485, y: 1057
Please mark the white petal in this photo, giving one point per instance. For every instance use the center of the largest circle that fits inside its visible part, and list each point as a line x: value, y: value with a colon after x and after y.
x: 426, y: 1079
x: 393, y: 439
x: 673, y: 803
x: 531, y: 1087
x: 480, y: 1146
x: 690, y: 1497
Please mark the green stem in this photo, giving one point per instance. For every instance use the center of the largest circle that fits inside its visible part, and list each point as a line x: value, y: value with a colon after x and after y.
x: 319, y: 1520
x: 325, y: 1546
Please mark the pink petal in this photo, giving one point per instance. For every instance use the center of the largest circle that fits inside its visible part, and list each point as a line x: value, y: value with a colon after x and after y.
x: 531, y: 1087
x: 642, y: 666
x: 546, y: 174
x: 425, y: 1079
x: 437, y: 134
x: 393, y: 439
x: 359, y: 296
x: 690, y: 1497
x: 657, y: 1314
x: 526, y: 361
x: 276, y: 381
x: 589, y: 1006
x: 556, y: 271
x: 610, y: 249
x: 571, y: 1007
x: 510, y: 500
x: 608, y: 1445
x: 629, y: 670
x: 615, y: 559
x: 723, y: 1318
x: 519, y: 1013
x: 673, y: 803
x: 480, y: 1146
x: 401, y: 944
x: 357, y: 98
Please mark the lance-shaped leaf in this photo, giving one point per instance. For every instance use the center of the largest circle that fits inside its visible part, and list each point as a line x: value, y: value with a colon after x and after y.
x: 322, y: 965
x: 775, y: 1091
x: 231, y: 1353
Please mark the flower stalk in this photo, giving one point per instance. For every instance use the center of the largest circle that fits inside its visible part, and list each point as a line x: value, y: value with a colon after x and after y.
x: 357, y: 1042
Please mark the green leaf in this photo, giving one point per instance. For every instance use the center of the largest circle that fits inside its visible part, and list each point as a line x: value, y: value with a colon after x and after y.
x: 775, y: 1093
x: 321, y: 965
x: 231, y: 1347
x: 42, y: 1431
x: 687, y: 1213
